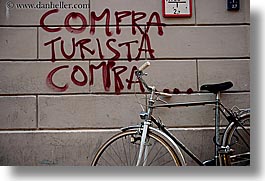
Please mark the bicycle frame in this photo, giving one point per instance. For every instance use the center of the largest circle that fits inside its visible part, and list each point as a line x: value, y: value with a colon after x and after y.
x: 151, y: 136
x: 219, y: 107
x: 149, y: 119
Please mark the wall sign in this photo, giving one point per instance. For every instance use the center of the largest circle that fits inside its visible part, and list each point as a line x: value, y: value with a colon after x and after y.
x: 233, y: 5
x: 177, y: 8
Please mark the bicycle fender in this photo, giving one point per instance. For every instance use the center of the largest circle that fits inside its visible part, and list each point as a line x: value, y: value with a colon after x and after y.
x: 163, y: 135
x: 244, y: 112
x: 229, y: 127
x: 169, y: 140
x: 131, y: 127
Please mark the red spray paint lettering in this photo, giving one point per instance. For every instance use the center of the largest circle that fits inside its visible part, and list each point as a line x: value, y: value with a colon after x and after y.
x: 88, y: 47
x: 94, y: 47
x: 108, y: 69
x: 154, y: 19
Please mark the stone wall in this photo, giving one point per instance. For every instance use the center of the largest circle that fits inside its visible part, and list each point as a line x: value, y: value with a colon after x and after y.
x: 66, y: 81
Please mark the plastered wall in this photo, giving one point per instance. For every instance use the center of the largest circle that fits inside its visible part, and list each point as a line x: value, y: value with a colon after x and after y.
x: 66, y: 74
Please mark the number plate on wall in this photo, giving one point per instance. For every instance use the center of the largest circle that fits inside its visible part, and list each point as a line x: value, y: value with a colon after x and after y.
x: 177, y: 8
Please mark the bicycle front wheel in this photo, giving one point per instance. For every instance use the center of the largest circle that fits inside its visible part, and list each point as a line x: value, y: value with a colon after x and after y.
x: 123, y: 149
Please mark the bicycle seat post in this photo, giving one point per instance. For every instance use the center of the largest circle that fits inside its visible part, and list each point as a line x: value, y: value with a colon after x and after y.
x: 217, y: 125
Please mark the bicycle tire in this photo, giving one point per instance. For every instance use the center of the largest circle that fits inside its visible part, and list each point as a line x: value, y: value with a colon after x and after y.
x: 239, y: 141
x: 122, y: 150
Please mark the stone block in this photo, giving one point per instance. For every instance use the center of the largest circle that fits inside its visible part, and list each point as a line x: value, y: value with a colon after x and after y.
x: 216, y: 71
x: 18, y: 112
x: 200, y: 42
x: 18, y: 43
x: 215, y: 12
x: 88, y: 111
x: 31, y: 77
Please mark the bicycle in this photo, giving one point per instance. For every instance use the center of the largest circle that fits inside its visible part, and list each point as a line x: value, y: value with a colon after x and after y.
x: 151, y: 143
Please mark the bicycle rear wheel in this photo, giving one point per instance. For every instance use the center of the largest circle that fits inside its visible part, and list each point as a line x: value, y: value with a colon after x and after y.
x: 238, y: 138
x: 123, y: 149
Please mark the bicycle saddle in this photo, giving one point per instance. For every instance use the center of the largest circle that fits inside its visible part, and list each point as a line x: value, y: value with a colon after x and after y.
x: 215, y: 88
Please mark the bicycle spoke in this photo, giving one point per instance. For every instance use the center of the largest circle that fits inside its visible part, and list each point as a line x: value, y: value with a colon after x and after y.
x: 135, y: 156
x: 156, y: 154
x: 166, y: 162
x: 110, y: 156
x: 240, y: 154
x: 118, y: 156
x: 150, y: 150
x: 241, y: 137
x: 124, y: 150
x: 106, y: 161
x: 127, y: 145
x: 161, y: 156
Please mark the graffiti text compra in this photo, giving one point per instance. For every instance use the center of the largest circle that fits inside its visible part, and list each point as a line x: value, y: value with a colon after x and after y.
x: 107, y: 47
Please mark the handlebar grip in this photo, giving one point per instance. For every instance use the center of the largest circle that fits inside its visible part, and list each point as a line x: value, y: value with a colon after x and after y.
x: 144, y: 66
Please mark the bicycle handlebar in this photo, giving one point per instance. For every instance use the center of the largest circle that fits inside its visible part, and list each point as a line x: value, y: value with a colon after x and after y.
x: 139, y: 74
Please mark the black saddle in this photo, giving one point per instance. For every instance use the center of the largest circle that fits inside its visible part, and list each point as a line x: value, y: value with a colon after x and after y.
x: 215, y: 88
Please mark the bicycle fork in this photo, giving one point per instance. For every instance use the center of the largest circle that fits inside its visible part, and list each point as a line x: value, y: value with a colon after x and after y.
x: 147, y: 123
x: 143, y: 145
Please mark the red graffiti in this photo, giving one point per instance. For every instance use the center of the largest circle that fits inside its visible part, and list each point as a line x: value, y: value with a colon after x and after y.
x: 153, y: 21
x: 93, y: 46
x: 108, y: 69
x: 95, y: 18
x: 42, y: 21
x: 50, y: 81
x: 71, y: 29
x: 85, y: 48
x: 177, y: 91
x: 75, y: 81
x: 52, y: 42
